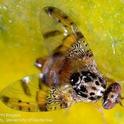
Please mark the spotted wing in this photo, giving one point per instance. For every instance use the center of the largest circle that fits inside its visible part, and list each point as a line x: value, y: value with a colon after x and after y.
x: 31, y: 95
x: 21, y: 95
x: 60, y: 32
x: 55, y: 26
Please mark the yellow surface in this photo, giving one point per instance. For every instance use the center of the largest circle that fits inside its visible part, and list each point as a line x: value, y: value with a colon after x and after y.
x: 101, y: 21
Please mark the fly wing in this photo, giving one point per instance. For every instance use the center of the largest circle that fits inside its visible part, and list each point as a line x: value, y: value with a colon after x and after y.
x: 55, y: 26
x: 21, y: 95
x: 60, y: 32
x: 30, y: 94
x: 72, y: 46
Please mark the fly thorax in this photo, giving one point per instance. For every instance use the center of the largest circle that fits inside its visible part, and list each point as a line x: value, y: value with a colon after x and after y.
x: 88, y: 85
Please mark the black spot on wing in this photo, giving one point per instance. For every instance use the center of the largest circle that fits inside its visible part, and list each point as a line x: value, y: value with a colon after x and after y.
x: 80, y: 35
x: 71, y: 23
x: 59, y: 21
x: 43, y: 107
x: 49, y: 9
x: 65, y: 17
x: 19, y: 101
x: 29, y: 109
x: 20, y: 108
x: 52, y: 33
x: 5, y: 99
x: 25, y: 88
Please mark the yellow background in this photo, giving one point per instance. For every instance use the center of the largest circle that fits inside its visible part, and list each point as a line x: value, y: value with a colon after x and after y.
x: 102, y: 23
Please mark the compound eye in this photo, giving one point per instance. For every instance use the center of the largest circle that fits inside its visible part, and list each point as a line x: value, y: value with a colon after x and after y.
x: 108, y: 104
x: 116, y: 87
x: 111, y: 96
x: 74, y: 78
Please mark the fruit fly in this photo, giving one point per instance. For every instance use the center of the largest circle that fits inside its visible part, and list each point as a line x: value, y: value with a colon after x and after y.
x: 68, y: 75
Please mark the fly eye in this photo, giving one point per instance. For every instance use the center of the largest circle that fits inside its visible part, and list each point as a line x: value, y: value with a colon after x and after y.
x: 108, y: 104
x: 116, y: 87
x: 74, y: 78
x: 112, y: 96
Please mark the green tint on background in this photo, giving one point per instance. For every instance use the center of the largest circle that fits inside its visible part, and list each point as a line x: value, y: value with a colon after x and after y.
x: 102, y: 23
